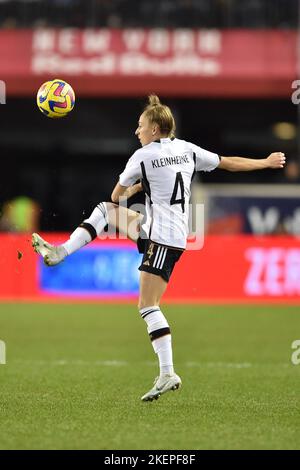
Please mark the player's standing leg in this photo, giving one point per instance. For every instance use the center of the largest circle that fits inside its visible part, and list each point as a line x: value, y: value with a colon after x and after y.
x: 152, y: 287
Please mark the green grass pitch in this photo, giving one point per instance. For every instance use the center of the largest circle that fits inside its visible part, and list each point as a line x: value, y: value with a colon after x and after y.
x: 74, y: 375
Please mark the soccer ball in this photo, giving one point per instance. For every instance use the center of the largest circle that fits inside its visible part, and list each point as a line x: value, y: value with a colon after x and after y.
x: 55, y: 98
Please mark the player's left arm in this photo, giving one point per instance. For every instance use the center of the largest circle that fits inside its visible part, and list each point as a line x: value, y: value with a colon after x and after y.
x: 274, y: 160
x: 125, y: 192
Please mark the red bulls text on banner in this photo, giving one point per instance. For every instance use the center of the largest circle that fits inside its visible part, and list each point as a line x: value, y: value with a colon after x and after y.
x: 102, y: 62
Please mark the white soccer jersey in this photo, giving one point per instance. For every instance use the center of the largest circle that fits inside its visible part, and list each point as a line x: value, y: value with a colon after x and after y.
x: 166, y: 168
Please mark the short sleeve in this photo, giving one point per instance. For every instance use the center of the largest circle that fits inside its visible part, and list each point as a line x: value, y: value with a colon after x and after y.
x: 132, y: 172
x: 205, y: 160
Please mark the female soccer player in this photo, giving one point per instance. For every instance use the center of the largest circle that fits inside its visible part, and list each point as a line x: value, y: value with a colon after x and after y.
x: 164, y: 166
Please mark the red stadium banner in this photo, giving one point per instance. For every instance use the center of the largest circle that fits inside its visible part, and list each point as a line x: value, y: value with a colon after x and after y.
x: 229, y: 269
x: 130, y: 62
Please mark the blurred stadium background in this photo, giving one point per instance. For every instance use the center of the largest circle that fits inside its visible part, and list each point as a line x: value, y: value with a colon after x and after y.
x: 228, y: 69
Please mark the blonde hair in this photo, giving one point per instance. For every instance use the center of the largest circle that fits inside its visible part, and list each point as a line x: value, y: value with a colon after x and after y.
x: 161, y: 115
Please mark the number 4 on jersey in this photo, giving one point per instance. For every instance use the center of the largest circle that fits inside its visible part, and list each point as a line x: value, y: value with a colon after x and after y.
x: 178, y: 183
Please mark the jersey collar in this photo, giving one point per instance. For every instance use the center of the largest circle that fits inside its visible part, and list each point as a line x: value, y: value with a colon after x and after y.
x: 163, y: 139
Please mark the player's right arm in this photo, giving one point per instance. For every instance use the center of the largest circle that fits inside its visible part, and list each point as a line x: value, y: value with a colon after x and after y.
x: 127, y: 186
x: 126, y: 192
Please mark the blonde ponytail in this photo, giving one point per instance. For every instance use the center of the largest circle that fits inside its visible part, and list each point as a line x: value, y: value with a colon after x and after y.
x: 153, y: 100
x: 160, y: 114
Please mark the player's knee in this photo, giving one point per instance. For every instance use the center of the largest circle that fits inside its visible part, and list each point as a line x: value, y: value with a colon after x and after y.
x: 96, y: 222
x: 110, y: 206
x: 143, y: 303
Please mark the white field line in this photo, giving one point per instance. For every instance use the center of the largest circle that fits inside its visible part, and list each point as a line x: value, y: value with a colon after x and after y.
x: 118, y: 363
x: 230, y: 365
x: 73, y: 362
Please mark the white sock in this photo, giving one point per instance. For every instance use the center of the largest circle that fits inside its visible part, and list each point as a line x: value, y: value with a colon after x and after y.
x: 159, y: 332
x: 94, y: 226
x: 163, y: 348
x: 78, y: 239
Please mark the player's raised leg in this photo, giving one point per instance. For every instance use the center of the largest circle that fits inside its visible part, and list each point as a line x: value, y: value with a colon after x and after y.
x: 152, y: 288
x: 125, y: 220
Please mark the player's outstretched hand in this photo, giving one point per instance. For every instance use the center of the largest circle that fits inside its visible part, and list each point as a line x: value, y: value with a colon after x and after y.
x: 276, y: 160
